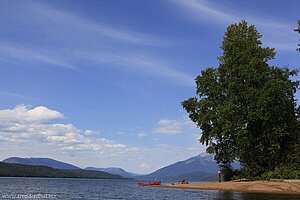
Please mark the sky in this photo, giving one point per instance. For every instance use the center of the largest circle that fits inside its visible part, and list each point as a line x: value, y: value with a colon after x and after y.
x: 100, y: 83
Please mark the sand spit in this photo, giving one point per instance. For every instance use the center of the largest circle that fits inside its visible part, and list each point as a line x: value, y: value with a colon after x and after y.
x: 282, y: 187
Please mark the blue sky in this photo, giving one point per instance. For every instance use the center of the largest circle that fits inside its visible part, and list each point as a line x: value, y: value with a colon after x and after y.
x: 99, y: 83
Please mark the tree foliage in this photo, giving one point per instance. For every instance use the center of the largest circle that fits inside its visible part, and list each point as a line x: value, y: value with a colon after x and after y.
x: 298, y: 30
x: 245, y: 108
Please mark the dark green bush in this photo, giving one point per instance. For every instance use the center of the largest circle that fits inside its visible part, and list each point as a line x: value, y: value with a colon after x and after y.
x: 291, y: 171
x: 284, y: 172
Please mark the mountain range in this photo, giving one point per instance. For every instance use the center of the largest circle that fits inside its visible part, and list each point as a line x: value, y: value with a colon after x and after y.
x: 115, y: 170
x: 40, y: 161
x: 198, y: 168
x: 19, y: 170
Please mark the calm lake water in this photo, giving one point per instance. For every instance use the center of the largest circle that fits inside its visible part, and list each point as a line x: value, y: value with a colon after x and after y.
x: 44, y: 188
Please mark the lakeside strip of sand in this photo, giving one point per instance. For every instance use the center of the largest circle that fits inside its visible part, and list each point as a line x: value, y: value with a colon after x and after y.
x: 253, y: 186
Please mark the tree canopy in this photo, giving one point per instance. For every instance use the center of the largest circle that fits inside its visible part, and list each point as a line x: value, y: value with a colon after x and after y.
x: 246, y: 108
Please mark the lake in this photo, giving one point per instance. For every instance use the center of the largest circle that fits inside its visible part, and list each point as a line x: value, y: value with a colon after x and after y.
x: 46, y: 188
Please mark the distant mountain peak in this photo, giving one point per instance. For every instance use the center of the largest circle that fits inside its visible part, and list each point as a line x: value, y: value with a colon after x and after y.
x: 114, y: 170
x: 202, y: 158
x: 203, y: 164
x: 206, y: 155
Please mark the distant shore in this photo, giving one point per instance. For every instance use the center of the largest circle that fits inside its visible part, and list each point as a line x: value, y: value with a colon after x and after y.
x: 19, y: 170
x: 252, y: 186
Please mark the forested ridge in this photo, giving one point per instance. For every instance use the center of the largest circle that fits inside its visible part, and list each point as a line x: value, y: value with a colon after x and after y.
x: 18, y: 170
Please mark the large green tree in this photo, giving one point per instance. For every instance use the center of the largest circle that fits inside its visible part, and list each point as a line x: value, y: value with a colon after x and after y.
x: 246, y: 108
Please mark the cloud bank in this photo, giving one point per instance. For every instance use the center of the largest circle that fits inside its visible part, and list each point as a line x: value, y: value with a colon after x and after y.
x: 22, y: 124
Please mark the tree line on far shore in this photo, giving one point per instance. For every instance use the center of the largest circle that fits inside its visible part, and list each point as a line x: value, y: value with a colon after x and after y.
x: 247, y: 110
x: 18, y: 170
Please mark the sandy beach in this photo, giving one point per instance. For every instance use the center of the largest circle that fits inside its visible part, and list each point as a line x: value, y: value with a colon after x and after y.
x: 253, y: 186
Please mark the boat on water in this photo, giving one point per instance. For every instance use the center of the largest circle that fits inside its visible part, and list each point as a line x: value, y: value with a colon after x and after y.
x: 150, y: 183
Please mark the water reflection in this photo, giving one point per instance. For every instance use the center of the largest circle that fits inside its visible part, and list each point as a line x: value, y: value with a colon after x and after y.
x: 227, y: 195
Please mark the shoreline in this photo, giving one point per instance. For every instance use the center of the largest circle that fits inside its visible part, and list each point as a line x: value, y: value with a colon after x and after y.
x: 251, y: 186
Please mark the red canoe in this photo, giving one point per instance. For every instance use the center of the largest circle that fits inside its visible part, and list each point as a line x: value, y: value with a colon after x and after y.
x: 149, y: 183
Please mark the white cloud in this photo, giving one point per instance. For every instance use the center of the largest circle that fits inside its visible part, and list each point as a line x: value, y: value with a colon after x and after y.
x: 202, y: 10
x: 145, y: 166
x: 87, y: 27
x: 23, y: 114
x: 91, y: 132
x: 23, y: 124
x: 277, y: 33
x: 39, y: 136
x: 169, y: 127
x: 208, y: 10
x: 29, y: 56
x: 137, y: 62
x: 73, y: 41
x: 166, y: 146
x: 142, y: 134
x: 3, y: 149
x: 175, y: 126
